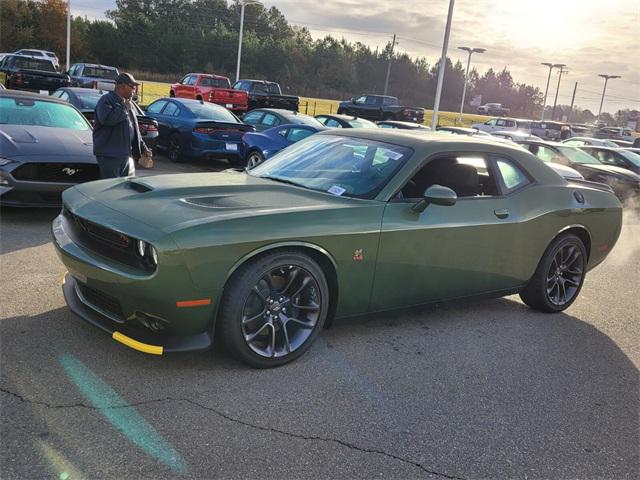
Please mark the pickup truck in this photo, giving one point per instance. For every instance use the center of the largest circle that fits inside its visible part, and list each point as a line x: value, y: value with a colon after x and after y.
x: 210, y: 88
x: 494, y: 109
x: 380, y: 107
x: 25, y: 73
x: 263, y: 94
x: 89, y: 75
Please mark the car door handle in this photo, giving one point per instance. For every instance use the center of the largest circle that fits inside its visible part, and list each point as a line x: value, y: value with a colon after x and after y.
x: 501, y: 212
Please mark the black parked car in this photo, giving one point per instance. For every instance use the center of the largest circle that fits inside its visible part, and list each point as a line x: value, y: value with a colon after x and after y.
x: 34, y: 74
x: 85, y: 99
x: 264, y: 118
x: 344, y: 121
x: 264, y: 94
x: 624, y: 183
x: 618, y: 157
x: 89, y: 75
x: 380, y: 107
x: 46, y: 147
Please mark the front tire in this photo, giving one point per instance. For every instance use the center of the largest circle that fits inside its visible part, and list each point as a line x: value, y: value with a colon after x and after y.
x: 557, y: 281
x: 175, y: 148
x: 254, y: 159
x: 273, y: 308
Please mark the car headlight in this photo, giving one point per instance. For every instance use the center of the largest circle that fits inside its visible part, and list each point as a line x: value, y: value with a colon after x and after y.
x: 141, y: 247
x: 147, y: 252
x: 154, y: 256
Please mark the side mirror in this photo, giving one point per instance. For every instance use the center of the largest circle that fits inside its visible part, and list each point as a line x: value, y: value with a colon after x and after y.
x: 353, y: 100
x: 438, y: 195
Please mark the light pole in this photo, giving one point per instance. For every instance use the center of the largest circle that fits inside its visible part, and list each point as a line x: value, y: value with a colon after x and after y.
x: 466, y: 75
x: 606, y: 79
x: 443, y: 65
x: 555, y: 101
x: 546, y: 90
x: 243, y: 3
x: 68, y: 34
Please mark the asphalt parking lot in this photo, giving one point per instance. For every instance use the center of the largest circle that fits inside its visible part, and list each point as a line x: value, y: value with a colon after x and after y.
x: 482, y: 389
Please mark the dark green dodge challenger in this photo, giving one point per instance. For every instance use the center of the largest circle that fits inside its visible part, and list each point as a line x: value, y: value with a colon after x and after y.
x: 336, y: 225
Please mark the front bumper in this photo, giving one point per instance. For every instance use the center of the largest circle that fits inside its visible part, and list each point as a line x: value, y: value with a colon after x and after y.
x: 146, y: 308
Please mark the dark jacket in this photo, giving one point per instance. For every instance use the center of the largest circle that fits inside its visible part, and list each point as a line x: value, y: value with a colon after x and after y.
x: 111, y: 134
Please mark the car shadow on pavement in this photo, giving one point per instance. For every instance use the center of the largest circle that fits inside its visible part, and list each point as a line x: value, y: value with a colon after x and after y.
x: 471, y: 390
x: 25, y: 227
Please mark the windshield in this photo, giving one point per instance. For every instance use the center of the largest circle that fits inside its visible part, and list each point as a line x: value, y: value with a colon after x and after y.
x: 97, y: 72
x: 342, y: 166
x: 88, y: 99
x: 207, y: 111
x: 26, y: 111
x: 575, y: 155
x: 631, y: 156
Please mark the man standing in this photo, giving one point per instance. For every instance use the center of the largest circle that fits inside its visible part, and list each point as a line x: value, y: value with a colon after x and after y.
x: 116, y: 137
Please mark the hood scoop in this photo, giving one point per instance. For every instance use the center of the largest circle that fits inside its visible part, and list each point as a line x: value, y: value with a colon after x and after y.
x: 139, y: 186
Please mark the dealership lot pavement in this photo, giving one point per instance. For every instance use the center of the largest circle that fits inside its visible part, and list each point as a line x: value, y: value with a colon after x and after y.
x: 483, y: 389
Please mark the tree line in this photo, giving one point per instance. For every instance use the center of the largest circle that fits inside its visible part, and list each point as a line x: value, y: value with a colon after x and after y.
x: 173, y: 37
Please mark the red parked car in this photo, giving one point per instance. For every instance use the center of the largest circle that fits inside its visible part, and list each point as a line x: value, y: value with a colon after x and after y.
x: 211, y: 88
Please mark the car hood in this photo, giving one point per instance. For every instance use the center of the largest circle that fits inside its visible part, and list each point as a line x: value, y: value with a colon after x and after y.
x: 173, y: 202
x: 37, y: 143
x: 617, y: 172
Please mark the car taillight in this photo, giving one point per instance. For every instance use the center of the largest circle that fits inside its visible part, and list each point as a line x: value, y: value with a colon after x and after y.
x: 205, y: 130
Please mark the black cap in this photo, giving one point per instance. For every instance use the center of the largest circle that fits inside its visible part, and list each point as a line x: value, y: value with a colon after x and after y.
x: 127, y: 79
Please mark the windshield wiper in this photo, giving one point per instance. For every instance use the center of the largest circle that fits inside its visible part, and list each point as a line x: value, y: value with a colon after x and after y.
x: 282, y: 180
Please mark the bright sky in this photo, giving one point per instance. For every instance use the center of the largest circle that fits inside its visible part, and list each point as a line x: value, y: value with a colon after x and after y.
x: 590, y: 36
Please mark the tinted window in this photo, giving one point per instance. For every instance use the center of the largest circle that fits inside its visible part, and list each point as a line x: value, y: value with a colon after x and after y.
x: 273, y: 88
x: 373, y: 101
x: 98, y: 72
x: 361, y: 100
x: 156, y: 107
x: 501, y: 123
x: 171, y: 110
x: 259, y: 88
x: 22, y: 111
x: 297, y: 134
x: 215, y: 82
x: 33, y: 64
x: 330, y: 122
x: 340, y: 166
x: 208, y: 111
x: 253, y: 118
x: 192, y: 80
x: 512, y: 176
x: 88, y: 98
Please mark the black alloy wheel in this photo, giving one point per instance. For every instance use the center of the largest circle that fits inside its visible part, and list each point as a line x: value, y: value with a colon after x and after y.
x: 273, y: 309
x: 559, y: 277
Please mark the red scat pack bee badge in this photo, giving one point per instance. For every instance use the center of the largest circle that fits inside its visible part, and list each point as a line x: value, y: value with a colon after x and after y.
x: 358, y: 256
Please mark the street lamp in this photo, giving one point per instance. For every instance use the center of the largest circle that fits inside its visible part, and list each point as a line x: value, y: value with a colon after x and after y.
x: 442, y: 66
x: 68, y: 34
x: 466, y: 75
x: 546, y: 90
x: 555, y: 101
x: 606, y: 79
x: 243, y: 3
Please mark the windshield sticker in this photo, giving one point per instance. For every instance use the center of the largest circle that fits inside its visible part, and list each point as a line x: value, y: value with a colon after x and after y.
x: 336, y: 190
x: 391, y: 154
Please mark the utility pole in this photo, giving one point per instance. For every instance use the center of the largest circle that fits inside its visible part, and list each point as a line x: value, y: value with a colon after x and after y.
x: 443, y: 65
x: 386, y: 82
x: 555, y: 101
x: 606, y: 79
x: 572, y: 100
x: 470, y: 51
x: 68, y: 34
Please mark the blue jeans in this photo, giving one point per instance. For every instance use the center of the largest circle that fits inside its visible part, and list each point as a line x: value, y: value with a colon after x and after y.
x: 112, y: 167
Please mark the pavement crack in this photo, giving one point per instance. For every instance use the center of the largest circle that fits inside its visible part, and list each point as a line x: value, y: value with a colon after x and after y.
x: 240, y: 422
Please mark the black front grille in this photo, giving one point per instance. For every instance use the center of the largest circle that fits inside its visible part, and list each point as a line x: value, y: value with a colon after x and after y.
x: 106, y: 242
x: 101, y: 301
x: 57, y: 172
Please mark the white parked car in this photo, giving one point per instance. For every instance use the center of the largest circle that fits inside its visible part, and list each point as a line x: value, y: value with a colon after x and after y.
x: 514, y: 135
x: 595, y: 142
x: 503, y: 124
x: 29, y: 52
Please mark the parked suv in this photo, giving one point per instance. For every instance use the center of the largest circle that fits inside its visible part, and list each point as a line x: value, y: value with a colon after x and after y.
x: 89, y: 75
x: 502, y: 124
x: 380, y: 107
x: 210, y: 88
x: 44, y: 54
x: 493, y: 109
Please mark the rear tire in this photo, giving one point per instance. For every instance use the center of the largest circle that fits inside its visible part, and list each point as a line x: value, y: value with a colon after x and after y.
x: 273, y: 309
x: 254, y: 159
x: 174, y: 150
x: 558, y: 279
x: 172, y: 94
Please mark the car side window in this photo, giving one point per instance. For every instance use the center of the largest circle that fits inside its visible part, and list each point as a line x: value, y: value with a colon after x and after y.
x: 296, y: 134
x: 491, y: 122
x: 283, y: 132
x: 64, y: 96
x: 361, y: 100
x: 608, y: 158
x: 170, y: 109
x: 192, y: 80
x: 156, y: 107
x: 322, y: 120
x: 545, y: 154
x: 510, y: 123
x: 332, y: 123
x: 184, y: 79
x: 270, y: 120
x: 373, y: 101
x: 252, y: 118
x: 511, y: 176
x: 501, y: 123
